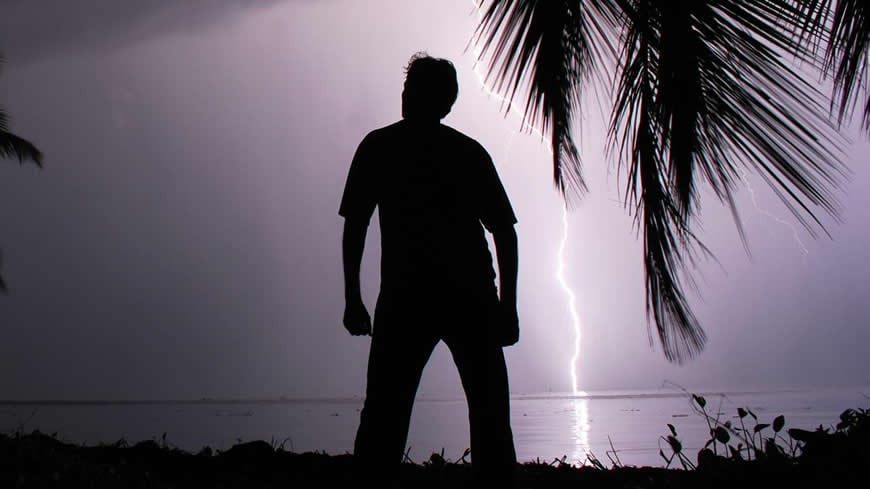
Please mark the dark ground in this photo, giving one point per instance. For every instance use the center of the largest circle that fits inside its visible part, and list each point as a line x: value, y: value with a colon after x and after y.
x: 801, y: 459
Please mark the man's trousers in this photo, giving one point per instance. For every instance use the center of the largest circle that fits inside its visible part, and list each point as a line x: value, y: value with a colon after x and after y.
x: 404, y: 336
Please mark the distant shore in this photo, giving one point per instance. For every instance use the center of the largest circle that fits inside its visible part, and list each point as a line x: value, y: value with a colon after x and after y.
x: 633, y: 394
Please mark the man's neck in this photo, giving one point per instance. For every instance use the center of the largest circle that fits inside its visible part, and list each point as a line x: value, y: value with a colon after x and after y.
x: 422, y: 121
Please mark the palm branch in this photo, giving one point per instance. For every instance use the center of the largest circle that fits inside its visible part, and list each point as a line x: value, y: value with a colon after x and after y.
x: 842, y: 29
x: 13, y: 146
x: 16, y: 147
x: 556, y: 46
x: 702, y: 93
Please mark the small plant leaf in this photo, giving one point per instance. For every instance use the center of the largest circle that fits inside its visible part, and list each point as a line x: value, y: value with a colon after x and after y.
x: 735, y: 453
x: 771, y: 449
x: 752, y: 414
x: 741, y: 412
x: 699, y: 400
x: 675, y: 444
x: 721, y: 435
x: 673, y: 430
x: 778, y: 423
x: 847, y: 418
x: 760, y: 427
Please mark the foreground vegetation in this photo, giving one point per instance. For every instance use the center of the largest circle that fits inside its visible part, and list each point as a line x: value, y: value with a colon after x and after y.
x: 745, y: 453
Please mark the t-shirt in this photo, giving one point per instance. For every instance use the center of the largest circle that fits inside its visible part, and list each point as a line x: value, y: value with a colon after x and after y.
x: 435, y: 189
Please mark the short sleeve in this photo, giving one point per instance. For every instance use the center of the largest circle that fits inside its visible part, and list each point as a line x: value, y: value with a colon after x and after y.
x: 495, y: 207
x: 360, y: 197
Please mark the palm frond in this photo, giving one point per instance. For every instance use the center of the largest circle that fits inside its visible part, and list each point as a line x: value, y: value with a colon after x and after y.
x: 553, y: 46
x: 703, y: 92
x: 12, y: 146
x: 847, y: 55
x: 842, y: 27
x: 637, y: 133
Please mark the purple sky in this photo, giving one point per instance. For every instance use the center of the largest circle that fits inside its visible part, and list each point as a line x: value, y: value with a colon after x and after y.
x: 182, y: 240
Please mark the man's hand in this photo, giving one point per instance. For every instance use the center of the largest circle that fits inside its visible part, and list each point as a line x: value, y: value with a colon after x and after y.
x: 356, y: 319
x: 508, y: 332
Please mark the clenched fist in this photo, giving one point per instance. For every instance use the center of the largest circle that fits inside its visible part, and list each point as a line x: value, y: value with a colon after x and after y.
x: 508, y: 325
x: 356, y: 319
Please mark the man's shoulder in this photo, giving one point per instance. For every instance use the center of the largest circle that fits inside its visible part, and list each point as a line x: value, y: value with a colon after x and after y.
x: 465, y: 141
x: 387, y: 135
x: 460, y: 136
x: 387, y: 130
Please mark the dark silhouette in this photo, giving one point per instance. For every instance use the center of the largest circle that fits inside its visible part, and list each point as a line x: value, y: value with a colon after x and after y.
x: 13, y: 146
x: 435, y: 190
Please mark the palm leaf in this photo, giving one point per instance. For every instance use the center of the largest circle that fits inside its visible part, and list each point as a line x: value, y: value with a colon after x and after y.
x: 552, y: 46
x: 702, y: 95
x: 636, y: 131
x: 12, y: 146
x: 843, y: 28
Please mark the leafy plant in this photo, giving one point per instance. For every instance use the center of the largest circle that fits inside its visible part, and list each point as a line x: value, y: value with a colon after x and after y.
x: 760, y: 441
x: 676, y: 447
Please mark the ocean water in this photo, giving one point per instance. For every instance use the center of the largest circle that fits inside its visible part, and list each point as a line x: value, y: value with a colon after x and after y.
x: 626, y: 426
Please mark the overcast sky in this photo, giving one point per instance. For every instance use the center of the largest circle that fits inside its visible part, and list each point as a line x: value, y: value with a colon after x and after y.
x: 183, y: 240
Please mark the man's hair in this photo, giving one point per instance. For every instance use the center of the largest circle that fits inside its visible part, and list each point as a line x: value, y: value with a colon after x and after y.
x: 430, y: 86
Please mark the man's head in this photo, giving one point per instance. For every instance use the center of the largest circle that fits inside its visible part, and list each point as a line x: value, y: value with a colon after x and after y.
x: 430, y: 88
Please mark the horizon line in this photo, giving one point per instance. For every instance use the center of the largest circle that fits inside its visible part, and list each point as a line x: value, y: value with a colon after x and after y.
x: 587, y: 395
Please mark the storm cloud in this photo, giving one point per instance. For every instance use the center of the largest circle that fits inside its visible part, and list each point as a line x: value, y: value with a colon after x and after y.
x: 35, y: 29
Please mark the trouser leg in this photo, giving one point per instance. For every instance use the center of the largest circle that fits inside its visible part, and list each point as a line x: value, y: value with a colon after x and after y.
x: 396, y: 360
x: 484, y: 378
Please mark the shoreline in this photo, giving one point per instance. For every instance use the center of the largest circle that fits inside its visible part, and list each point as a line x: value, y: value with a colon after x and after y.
x: 650, y: 393
x: 783, y: 458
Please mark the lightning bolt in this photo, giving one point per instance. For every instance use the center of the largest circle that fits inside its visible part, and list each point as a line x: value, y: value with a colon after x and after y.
x: 560, y: 268
x: 572, y: 299
x: 794, y: 232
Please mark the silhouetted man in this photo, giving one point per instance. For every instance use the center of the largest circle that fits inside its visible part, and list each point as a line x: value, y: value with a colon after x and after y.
x: 435, y: 190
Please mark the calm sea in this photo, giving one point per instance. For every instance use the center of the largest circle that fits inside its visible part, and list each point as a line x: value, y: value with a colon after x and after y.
x: 546, y: 426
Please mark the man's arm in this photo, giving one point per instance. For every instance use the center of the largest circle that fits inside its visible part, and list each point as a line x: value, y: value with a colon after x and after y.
x: 356, y: 319
x: 505, y: 239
